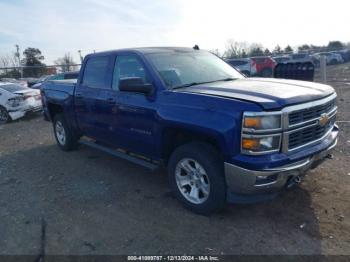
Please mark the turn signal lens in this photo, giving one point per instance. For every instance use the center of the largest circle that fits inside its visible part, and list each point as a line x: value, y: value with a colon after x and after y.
x: 252, y: 122
x: 261, y: 144
x: 250, y: 144
x: 261, y: 122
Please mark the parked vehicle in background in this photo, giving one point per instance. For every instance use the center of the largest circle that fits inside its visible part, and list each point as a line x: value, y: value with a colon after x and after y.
x: 263, y: 66
x: 301, y: 58
x: 61, y: 76
x: 16, y: 101
x: 331, y: 58
x: 244, y: 65
x: 40, y: 81
x: 304, y: 58
x: 345, y: 54
x: 282, y: 59
x: 29, y: 80
x: 15, y: 81
x: 222, y: 136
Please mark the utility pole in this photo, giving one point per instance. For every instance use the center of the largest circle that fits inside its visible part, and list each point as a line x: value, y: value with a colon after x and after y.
x: 81, y: 58
x: 18, y: 56
x: 323, y: 68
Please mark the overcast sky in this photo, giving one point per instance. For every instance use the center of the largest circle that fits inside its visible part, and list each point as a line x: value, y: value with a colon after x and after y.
x: 60, y: 26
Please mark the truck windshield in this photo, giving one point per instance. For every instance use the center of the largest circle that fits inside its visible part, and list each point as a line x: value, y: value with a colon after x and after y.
x: 180, y: 69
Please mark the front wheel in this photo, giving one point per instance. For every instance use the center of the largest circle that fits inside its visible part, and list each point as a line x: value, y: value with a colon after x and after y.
x: 196, y: 177
x: 65, y: 137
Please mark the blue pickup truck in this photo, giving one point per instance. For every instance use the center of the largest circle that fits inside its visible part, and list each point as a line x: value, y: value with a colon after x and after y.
x: 223, y: 137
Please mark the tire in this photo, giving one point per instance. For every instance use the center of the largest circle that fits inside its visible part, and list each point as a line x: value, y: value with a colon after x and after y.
x: 64, y: 135
x: 4, y: 115
x: 333, y: 62
x: 267, y: 72
x: 185, y: 175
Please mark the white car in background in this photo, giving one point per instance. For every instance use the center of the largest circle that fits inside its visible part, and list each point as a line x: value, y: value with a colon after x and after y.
x: 16, y: 101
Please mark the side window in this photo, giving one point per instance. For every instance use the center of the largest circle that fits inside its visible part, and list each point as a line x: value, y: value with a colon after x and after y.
x: 128, y: 66
x: 95, y: 72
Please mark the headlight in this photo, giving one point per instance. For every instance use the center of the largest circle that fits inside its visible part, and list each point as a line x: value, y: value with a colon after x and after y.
x: 252, y: 144
x: 262, y: 122
x: 261, y: 132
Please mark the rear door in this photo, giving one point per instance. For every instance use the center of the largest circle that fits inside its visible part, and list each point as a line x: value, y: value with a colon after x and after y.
x: 94, y: 98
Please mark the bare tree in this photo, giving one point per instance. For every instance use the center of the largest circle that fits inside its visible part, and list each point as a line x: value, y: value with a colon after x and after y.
x: 235, y: 49
x: 66, y: 63
x: 256, y: 49
x: 7, y: 61
x: 216, y: 52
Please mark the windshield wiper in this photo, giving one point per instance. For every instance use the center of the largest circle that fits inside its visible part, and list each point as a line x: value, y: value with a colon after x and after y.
x: 200, y: 83
x: 227, y: 79
x: 190, y: 84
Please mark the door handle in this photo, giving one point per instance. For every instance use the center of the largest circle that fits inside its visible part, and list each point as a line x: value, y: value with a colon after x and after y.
x: 111, y: 100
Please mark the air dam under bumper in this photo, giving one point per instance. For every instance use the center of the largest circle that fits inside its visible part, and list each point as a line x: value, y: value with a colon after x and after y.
x: 245, y: 186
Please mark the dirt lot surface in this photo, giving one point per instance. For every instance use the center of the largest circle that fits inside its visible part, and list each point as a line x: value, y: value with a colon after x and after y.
x: 93, y: 203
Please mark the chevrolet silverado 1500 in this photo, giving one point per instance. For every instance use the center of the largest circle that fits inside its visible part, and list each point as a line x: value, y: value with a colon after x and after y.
x: 223, y: 137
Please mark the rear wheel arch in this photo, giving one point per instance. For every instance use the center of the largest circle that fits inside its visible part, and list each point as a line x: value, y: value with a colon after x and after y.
x: 54, y: 109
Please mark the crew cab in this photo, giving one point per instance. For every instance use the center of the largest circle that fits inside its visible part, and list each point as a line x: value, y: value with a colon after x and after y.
x: 223, y: 137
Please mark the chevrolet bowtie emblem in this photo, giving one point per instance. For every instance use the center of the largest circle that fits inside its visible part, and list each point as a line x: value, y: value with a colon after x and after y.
x: 324, y: 119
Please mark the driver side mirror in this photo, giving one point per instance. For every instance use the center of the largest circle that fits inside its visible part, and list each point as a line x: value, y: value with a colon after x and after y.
x: 135, y: 85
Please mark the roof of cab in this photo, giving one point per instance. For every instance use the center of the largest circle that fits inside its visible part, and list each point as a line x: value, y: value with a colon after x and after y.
x: 147, y: 50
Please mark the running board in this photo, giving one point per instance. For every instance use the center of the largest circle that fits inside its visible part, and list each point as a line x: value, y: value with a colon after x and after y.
x: 119, y: 154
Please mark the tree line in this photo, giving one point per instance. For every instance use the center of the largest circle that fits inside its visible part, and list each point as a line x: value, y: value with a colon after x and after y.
x: 235, y: 49
x: 35, y: 67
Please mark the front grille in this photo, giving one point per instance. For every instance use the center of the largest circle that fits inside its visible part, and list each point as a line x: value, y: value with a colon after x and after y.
x: 306, y: 114
x: 308, y: 134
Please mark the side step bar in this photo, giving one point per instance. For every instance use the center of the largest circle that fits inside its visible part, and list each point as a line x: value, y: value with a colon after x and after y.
x: 119, y: 154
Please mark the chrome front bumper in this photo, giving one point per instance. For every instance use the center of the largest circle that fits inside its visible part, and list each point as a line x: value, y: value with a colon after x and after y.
x: 248, y: 182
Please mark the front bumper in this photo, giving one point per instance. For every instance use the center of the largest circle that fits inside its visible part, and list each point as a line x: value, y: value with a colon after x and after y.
x: 257, y: 185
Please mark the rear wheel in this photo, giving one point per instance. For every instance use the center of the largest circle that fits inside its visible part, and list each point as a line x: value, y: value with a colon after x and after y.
x: 334, y: 62
x: 65, y: 136
x: 196, y: 176
x: 267, y: 72
x: 4, y: 116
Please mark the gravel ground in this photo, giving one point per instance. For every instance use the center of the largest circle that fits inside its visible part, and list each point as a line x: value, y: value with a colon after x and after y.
x: 92, y: 203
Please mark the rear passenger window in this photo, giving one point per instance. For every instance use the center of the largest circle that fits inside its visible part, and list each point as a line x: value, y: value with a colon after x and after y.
x: 95, y: 73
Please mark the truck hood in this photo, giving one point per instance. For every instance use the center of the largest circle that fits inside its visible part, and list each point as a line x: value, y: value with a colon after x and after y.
x: 269, y: 93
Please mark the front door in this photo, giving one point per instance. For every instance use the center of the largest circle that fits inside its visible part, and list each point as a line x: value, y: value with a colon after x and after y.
x: 135, y: 123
